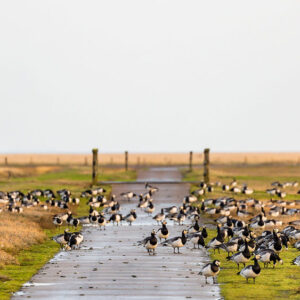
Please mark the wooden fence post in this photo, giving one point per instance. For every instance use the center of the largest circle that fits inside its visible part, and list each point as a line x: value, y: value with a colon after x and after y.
x: 5, y: 161
x: 95, y: 166
x: 191, y: 161
x: 126, y: 161
x: 206, y: 166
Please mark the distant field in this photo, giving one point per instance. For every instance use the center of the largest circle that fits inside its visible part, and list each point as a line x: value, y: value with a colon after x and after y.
x: 150, y: 158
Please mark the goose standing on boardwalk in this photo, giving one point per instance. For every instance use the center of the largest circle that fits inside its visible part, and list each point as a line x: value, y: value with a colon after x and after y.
x: 102, y: 221
x: 163, y: 231
x: 159, y: 217
x: 251, y: 271
x: 116, y: 218
x: 131, y: 217
x: 150, y: 243
x: 177, y: 242
x: 211, y: 270
x: 128, y: 195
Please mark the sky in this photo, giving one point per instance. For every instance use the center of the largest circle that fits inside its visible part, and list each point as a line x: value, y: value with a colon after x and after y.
x: 149, y: 76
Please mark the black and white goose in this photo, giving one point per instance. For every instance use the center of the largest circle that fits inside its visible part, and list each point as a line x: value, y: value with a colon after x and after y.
x: 75, y: 240
x: 62, y: 239
x: 211, y: 270
x: 102, y: 221
x: 197, y: 239
x: 163, y: 232
x: 116, y: 218
x: 260, y: 224
x: 131, y: 217
x: 216, y: 241
x: 195, y: 227
x: 296, y: 261
x: 150, y: 243
x: 159, y: 217
x: 177, y: 242
x: 128, y: 195
x: 251, y: 271
x: 151, y: 188
x: 150, y: 208
x: 231, y: 246
x: 171, y: 210
x: 267, y: 256
x: 241, y: 257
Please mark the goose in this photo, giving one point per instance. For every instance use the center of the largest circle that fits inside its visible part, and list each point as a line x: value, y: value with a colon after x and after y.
x: 260, y: 224
x: 179, y: 218
x: 131, y: 217
x: 204, y: 232
x: 62, y: 239
x: 84, y: 220
x: 212, y: 211
x: 150, y: 243
x: 150, y: 209
x: 296, y: 261
x: 194, y: 228
x: 74, y: 222
x: 251, y: 271
x: 198, y: 192
x: 190, y: 199
x: 171, y: 210
x: 177, y: 242
x: 225, y: 187
x: 116, y: 218
x: 159, y: 217
x: 241, y: 213
x: 202, y: 208
x: 163, y: 231
x: 93, y: 219
x: 142, y: 202
x: 230, y: 247
x: 216, y: 241
x: 210, y: 189
x: 151, y: 188
x: 102, y: 221
x: 211, y: 270
x: 57, y: 221
x: 267, y: 256
x: 297, y: 245
x: 75, y: 240
x: 197, y: 239
x: 128, y: 195
x: 203, y: 184
x: 241, y: 257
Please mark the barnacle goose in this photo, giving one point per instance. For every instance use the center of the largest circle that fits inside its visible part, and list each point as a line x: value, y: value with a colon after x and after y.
x: 163, y: 232
x: 197, y: 239
x: 159, y: 217
x: 116, y: 218
x: 131, y: 217
x: 150, y: 243
x: 267, y: 256
x: 128, y: 195
x: 296, y: 261
x: 241, y: 257
x: 102, y: 221
x: 150, y: 209
x: 251, y: 271
x: 211, y: 270
x: 216, y: 241
x: 177, y: 242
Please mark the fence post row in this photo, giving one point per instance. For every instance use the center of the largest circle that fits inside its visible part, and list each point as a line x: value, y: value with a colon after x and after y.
x: 191, y: 161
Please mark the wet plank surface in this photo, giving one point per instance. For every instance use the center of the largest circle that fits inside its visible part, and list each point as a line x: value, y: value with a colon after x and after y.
x: 110, y: 265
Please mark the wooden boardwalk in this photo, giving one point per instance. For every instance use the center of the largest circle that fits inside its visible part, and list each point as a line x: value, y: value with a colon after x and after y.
x: 111, y: 266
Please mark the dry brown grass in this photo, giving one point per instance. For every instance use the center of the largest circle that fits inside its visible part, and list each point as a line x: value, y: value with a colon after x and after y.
x: 150, y: 158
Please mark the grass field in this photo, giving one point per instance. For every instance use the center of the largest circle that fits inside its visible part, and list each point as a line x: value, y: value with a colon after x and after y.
x: 26, y: 243
x: 140, y: 159
x: 284, y: 280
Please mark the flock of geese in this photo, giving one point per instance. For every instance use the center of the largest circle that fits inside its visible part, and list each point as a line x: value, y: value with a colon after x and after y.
x: 246, y: 229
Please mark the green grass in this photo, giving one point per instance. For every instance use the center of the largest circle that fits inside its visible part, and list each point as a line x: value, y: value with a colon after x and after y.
x: 281, y: 282
x: 12, y: 277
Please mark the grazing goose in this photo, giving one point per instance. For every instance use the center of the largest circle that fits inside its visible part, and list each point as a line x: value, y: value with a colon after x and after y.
x: 75, y: 240
x: 216, y: 241
x: 150, y: 243
x: 260, y: 224
x: 151, y: 188
x: 211, y: 270
x: 177, y: 242
x: 267, y: 256
x: 296, y: 261
x: 198, y: 192
x: 57, y: 221
x: 251, y: 271
x: 131, y: 217
x: 159, y: 217
x: 197, y: 239
x: 190, y: 199
x: 128, y: 195
x: 241, y: 257
x: 194, y: 228
x: 171, y: 210
x: 231, y: 247
x: 143, y: 203
x: 151, y: 208
x: 62, y: 239
x: 163, y: 231
x: 102, y: 221
x: 116, y: 218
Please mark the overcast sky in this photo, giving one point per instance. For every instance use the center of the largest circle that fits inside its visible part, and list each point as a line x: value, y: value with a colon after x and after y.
x: 149, y: 75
